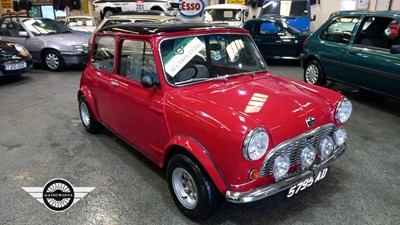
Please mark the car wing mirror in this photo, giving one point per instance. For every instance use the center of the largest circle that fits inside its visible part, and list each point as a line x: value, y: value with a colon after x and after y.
x: 395, y: 49
x: 147, y: 81
x: 23, y: 34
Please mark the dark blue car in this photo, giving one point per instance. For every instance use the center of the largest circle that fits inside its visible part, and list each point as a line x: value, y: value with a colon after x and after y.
x: 14, y: 59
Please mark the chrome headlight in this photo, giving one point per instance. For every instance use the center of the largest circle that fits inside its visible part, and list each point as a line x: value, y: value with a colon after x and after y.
x: 343, y: 110
x: 255, y: 144
x: 340, y: 136
x: 326, y: 147
x: 79, y: 48
x: 281, y: 166
x: 307, y: 156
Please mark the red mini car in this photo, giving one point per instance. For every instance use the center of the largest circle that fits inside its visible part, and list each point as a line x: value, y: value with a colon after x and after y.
x: 199, y: 100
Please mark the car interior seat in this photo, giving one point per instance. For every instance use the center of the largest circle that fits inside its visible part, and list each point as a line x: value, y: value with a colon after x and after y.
x: 12, y: 28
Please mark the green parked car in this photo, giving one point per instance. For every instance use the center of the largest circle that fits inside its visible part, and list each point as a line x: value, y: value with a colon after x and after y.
x: 357, y: 48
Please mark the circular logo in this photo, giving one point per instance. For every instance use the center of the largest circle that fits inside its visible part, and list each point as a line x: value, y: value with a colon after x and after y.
x: 192, y: 8
x: 58, y: 195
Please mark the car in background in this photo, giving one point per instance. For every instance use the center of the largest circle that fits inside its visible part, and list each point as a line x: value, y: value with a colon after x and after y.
x: 357, y: 48
x: 49, y: 42
x: 275, y: 38
x: 134, y: 17
x: 199, y: 100
x: 107, y: 8
x: 14, y: 59
x: 232, y: 14
x: 82, y: 23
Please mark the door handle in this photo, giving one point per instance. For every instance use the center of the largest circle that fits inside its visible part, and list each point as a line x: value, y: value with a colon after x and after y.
x: 114, y: 83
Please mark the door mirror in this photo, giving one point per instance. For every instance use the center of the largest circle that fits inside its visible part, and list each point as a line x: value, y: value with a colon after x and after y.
x: 147, y: 81
x: 395, y: 49
x: 23, y: 34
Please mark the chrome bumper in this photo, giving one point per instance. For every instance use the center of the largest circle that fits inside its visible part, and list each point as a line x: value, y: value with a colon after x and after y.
x: 263, y: 192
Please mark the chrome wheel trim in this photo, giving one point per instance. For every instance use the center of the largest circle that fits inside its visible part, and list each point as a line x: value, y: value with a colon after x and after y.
x: 312, y: 74
x: 184, y: 188
x: 52, y: 61
x: 84, y: 114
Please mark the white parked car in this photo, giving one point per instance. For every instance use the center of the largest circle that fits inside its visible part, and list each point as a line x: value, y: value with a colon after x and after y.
x: 82, y: 23
x: 110, y: 7
x: 232, y: 14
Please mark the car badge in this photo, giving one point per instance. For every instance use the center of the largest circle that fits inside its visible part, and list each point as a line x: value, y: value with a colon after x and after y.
x: 310, y: 121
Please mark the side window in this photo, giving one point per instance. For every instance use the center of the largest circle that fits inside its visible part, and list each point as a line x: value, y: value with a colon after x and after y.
x: 136, y: 60
x: 340, y: 30
x: 268, y: 28
x: 104, y: 53
x: 379, y: 32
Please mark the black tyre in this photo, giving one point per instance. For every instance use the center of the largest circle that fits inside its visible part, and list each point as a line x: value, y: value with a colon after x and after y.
x: 192, y: 190
x: 53, y: 60
x: 88, y: 120
x: 108, y: 12
x: 313, y: 73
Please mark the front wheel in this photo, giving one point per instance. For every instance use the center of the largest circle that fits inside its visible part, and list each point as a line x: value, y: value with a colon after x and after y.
x: 53, y: 60
x: 313, y: 73
x: 192, y: 190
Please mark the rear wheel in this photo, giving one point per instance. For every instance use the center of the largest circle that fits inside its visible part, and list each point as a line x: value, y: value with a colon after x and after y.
x: 313, y: 73
x: 192, y: 190
x: 91, y: 124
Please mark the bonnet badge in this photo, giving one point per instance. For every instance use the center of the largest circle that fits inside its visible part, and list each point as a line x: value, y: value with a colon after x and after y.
x: 310, y: 121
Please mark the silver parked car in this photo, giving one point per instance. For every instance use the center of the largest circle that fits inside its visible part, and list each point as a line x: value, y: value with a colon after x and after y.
x: 49, y: 42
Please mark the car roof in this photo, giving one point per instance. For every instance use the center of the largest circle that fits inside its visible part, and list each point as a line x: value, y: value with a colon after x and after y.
x: 227, y: 6
x: 144, y: 16
x: 89, y: 17
x: 363, y: 12
x: 156, y: 28
x: 144, y: 12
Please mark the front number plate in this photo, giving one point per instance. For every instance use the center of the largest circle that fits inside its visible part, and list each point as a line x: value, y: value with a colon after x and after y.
x: 307, y: 183
x: 16, y: 66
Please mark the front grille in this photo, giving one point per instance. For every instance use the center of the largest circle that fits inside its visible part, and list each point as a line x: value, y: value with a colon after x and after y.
x: 293, y: 147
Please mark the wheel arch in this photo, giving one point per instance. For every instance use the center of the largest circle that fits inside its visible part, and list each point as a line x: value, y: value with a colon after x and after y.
x: 157, y: 8
x: 46, y: 49
x: 194, y: 150
x: 309, y: 59
x: 84, y: 91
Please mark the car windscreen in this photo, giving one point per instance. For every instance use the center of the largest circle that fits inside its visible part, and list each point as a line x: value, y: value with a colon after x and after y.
x: 40, y: 27
x: 209, y: 57
x: 211, y: 15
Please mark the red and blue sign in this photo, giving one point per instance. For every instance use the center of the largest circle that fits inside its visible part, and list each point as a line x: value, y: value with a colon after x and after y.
x: 192, y: 8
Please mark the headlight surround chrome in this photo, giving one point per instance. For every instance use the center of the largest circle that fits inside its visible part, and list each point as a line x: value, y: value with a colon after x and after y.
x: 79, y: 48
x: 281, y: 167
x: 307, y: 156
x: 255, y: 144
x: 343, y: 110
x: 340, y: 136
x: 326, y: 147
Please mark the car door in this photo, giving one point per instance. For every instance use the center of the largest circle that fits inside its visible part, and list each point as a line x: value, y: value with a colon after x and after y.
x: 103, y: 63
x: 333, y: 45
x: 138, y: 111
x: 275, y: 41
x: 370, y: 60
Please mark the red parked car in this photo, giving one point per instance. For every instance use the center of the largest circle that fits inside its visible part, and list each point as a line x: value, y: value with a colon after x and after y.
x: 199, y: 100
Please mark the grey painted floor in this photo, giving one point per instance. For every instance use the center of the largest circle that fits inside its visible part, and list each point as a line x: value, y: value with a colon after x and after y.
x: 41, y: 138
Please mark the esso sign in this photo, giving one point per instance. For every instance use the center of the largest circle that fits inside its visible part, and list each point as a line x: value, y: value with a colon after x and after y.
x: 192, y: 8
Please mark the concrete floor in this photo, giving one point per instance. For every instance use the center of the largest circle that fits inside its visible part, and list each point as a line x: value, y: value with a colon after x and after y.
x: 41, y: 138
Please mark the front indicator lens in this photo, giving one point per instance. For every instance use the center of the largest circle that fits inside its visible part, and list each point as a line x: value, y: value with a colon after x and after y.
x: 340, y: 136
x: 307, y: 156
x: 281, y: 167
x: 326, y: 147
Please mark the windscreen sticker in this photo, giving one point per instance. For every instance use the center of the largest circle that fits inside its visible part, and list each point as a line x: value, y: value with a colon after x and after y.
x: 182, y: 54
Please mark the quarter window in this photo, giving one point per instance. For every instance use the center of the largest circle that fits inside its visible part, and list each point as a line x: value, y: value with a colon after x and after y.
x: 340, y: 30
x: 136, y: 60
x: 104, y: 53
